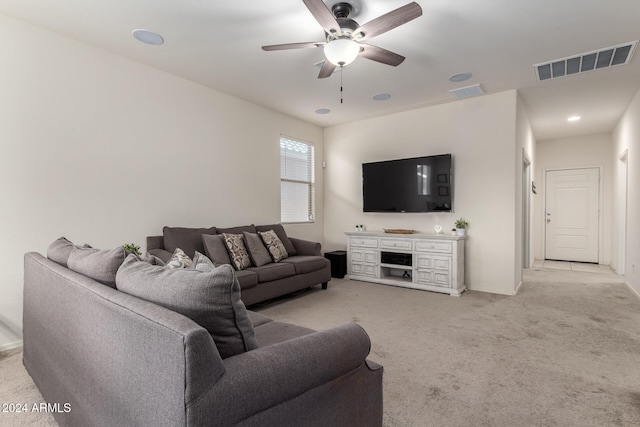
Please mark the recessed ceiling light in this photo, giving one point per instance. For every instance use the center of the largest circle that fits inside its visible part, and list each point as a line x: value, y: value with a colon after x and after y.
x: 573, y: 118
x: 148, y: 37
x: 381, y: 97
x: 460, y: 77
x: 323, y: 111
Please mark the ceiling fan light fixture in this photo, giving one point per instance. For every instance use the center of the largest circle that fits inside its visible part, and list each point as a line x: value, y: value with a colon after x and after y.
x: 341, y: 52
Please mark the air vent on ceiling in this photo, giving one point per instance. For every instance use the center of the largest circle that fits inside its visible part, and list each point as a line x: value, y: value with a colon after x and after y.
x: 589, y: 61
x: 467, y: 91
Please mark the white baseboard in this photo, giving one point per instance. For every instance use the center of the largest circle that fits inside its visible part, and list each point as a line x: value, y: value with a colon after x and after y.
x: 632, y: 289
x: 11, y: 345
x: 518, y: 288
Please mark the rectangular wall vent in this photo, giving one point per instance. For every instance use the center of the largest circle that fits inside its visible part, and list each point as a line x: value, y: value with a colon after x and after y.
x: 467, y: 91
x: 589, y: 61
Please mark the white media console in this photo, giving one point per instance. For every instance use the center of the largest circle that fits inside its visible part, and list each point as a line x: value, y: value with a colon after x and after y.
x: 431, y: 262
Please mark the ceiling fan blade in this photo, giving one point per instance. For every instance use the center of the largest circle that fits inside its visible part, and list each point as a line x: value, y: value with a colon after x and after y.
x: 381, y: 55
x: 326, y: 70
x: 389, y: 21
x: 323, y: 15
x: 303, y: 45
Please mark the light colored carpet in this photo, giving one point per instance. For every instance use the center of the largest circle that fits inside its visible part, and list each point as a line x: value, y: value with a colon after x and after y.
x: 564, y: 352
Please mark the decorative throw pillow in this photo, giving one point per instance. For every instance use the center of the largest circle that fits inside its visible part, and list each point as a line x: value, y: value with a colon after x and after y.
x: 216, y: 249
x: 237, y: 251
x: 257, y: 251
x: 274, y: 245
x: 60, y: 249
x: 99, y: 264
x: 208, y: 295
x: 179, y: 260
x: 282, y: 235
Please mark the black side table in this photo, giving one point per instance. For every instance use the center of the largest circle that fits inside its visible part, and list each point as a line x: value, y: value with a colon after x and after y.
x: 338, y: 261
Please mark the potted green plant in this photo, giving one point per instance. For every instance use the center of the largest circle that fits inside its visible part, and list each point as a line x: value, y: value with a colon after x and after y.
x: 461, y: 226
x: 132, y: 248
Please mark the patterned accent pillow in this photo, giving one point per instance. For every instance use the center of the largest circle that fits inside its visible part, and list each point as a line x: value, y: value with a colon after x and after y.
x: 237, y: 251
x: 179, y: 260
x: 274, y: 245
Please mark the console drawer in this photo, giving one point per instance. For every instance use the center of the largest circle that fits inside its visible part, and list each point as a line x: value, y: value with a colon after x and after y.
x: 438, y: 246
x: 364, y: 242
x: 405, y: 245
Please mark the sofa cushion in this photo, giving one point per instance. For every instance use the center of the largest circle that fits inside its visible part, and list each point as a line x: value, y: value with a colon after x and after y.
x: 282, y: 235
x: 307, y: 263
x: 99, y: 264
x: 273, y: 271
x: 257, y: 251
x: 178, y: 260
x: 238, y: 230
x: 258, y: 319
x: 208, y: 295
x: 274, y: 245
x: 248, y: 279
x: 216, y: 249
x: 59, y: 251
x: 187, y: 239
x: 237, y: 251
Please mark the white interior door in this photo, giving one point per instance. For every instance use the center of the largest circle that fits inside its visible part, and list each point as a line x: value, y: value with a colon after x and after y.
x: 572, y: 199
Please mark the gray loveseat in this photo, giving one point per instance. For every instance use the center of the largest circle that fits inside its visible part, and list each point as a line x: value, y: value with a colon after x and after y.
x: 303, y: 267
x: 113, y: 358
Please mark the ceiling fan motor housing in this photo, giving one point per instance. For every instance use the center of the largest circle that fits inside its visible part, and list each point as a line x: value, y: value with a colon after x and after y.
x: 341, y: 10
x: 347, y: 25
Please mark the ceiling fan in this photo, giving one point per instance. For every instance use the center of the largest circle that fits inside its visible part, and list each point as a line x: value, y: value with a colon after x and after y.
x: 344, y: 36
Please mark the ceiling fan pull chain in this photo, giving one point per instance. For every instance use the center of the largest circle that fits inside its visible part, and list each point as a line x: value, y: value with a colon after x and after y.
x: 341, y: 90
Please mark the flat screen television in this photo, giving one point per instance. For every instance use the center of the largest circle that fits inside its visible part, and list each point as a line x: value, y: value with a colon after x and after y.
x: 418, y: 184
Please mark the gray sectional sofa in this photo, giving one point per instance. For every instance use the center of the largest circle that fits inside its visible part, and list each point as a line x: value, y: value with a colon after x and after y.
x: 123, y: 340
x: 303, y: 267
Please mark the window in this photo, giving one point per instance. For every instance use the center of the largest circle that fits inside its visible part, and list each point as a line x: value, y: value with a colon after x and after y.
x: 297, y: 181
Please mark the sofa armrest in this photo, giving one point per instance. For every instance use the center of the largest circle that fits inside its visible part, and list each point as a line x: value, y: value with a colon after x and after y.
x: 280, y: 372
x: 155, y: 242
x: 306, y: 247
x: 162, y: 254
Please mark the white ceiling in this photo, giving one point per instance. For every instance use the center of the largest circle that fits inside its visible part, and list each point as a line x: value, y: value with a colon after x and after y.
x: 218, y: 44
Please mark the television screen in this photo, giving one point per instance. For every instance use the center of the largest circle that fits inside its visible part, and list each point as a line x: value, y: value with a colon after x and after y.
x: 419, y: 184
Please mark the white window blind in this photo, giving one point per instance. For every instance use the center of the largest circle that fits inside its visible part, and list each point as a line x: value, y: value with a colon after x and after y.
x: 297, y: 181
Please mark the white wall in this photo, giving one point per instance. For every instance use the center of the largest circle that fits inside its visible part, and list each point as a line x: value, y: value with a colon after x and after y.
x: 576, y: 152
x: 626, y: 138
x: 106, y: 151
x: 481, y: 134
